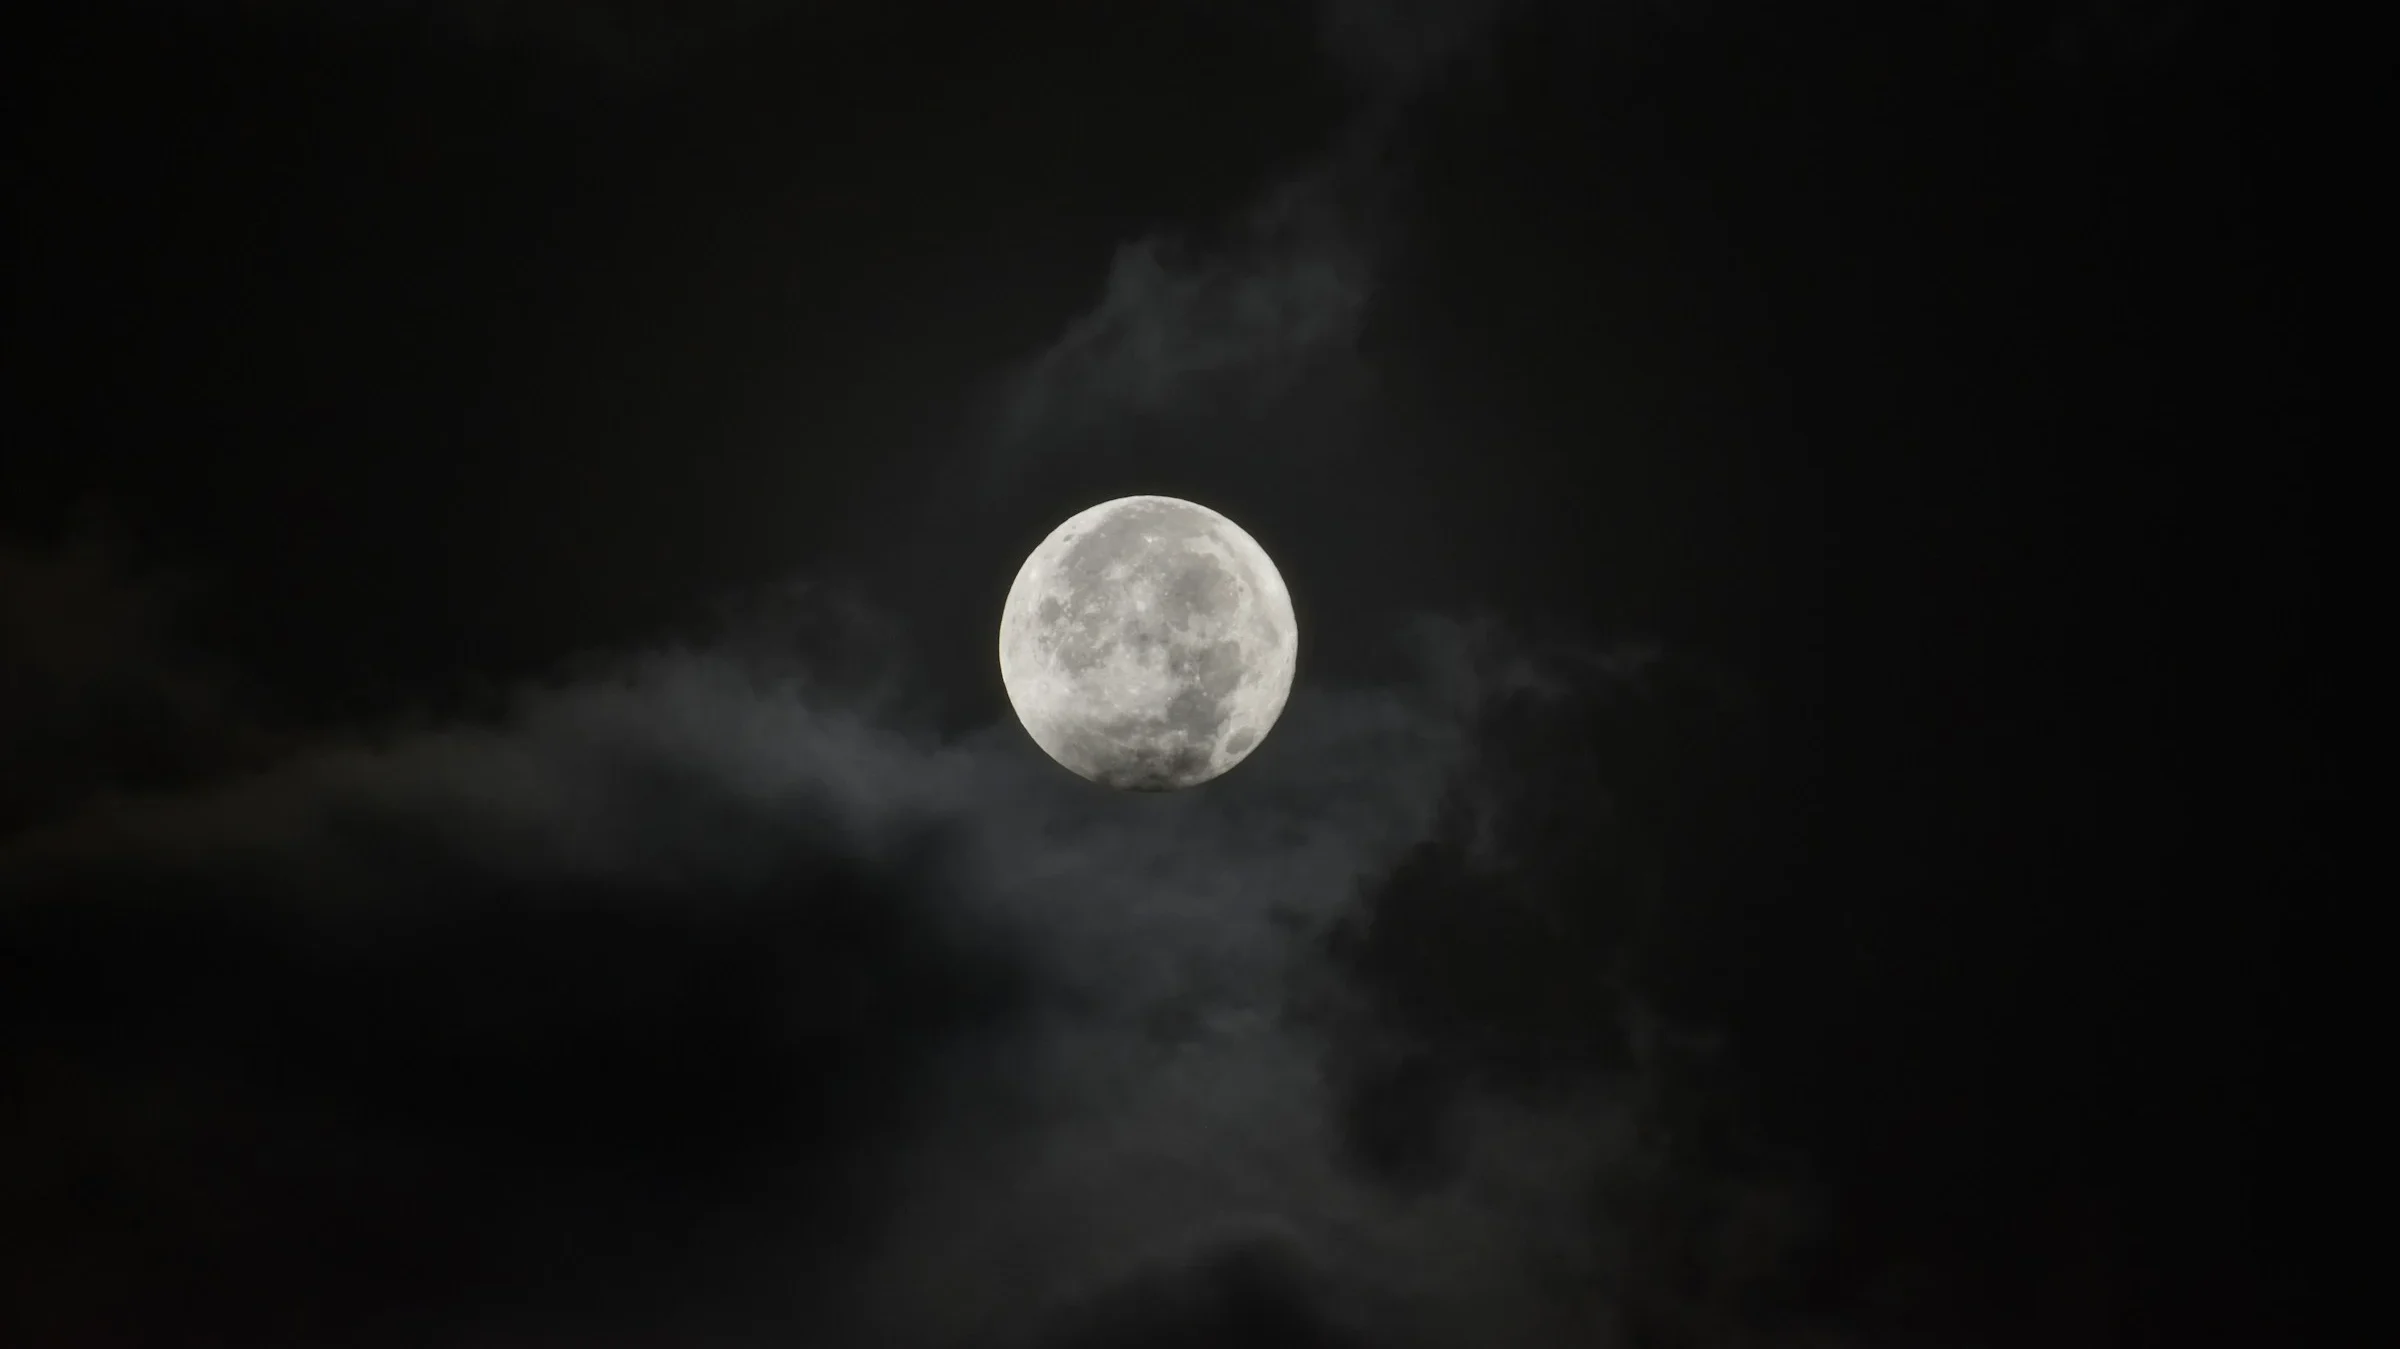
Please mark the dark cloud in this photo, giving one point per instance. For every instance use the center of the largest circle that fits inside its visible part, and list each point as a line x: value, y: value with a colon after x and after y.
x: 99, y: 685
x: 702, y: 989
x: 349, y: 1055
x: 1247, y: 1290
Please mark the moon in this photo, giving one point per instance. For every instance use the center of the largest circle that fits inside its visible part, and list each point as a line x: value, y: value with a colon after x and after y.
x: 1148, y: 644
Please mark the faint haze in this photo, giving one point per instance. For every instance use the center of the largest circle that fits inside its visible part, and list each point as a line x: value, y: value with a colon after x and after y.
x: 605, y: 38
x: 1393, y: 49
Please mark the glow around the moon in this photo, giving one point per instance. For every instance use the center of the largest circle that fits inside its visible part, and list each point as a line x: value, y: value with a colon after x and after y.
x: 1148, y: 644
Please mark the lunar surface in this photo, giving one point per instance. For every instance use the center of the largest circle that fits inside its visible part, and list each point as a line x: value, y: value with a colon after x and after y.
x: 1148, y: 644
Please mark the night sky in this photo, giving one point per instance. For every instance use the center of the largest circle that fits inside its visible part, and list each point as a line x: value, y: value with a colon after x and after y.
x: 512, y: 837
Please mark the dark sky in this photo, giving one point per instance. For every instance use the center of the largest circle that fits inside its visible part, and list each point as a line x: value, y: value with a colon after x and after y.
x: 511, y: 833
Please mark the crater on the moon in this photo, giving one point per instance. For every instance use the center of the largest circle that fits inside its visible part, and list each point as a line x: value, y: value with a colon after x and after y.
x: 1148, y: 644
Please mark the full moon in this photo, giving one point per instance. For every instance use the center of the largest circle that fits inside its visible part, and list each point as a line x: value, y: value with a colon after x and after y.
x: 1148, y: 644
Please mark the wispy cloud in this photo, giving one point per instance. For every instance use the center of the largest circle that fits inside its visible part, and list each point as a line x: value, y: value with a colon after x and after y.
x: 1239, y: 323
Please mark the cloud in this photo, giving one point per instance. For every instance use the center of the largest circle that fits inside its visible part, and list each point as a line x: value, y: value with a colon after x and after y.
x: 1251, y: 1287
x: 700, y: 995
x: 97, y: 687
x: 1238, y: 323
x: 1394, y: 49
x: 529, y: 1022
